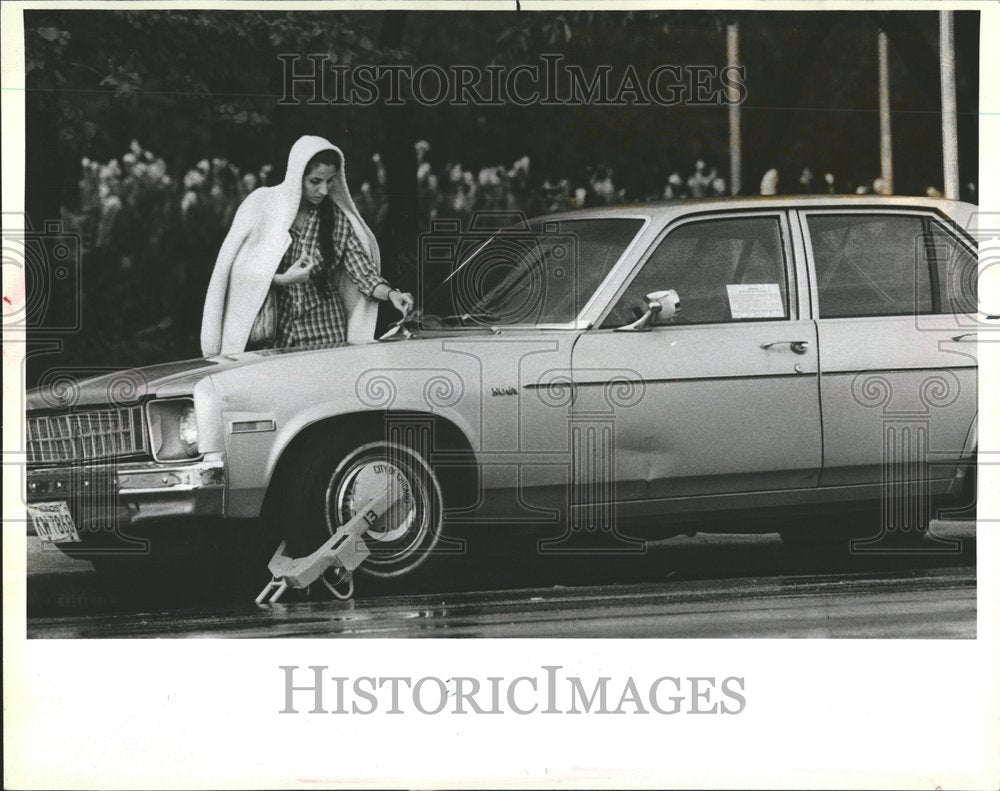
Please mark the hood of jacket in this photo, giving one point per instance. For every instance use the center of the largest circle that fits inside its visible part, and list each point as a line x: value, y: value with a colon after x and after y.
x: 255, y: 244
x: 304, y: 149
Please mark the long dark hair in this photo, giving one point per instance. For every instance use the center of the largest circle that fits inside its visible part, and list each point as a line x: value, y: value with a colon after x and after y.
x: 326, y: 157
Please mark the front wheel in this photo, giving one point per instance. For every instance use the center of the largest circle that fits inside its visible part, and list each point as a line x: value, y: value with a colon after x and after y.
x: 331, y: 480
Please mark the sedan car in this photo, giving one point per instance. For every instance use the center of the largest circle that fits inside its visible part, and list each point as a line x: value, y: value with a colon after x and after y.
x: 587, y: 378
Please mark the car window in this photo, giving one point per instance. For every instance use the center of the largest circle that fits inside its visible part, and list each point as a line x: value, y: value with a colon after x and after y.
x: 876, y: 264
x: 542, y: 273
x: 957, y: 267
x: 722, y: 270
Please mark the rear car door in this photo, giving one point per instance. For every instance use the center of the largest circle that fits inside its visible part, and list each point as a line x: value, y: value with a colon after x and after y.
x: 893, y: 297
x: 724, y: 398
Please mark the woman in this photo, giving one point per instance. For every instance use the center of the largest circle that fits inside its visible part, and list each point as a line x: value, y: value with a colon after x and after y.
x: 305, y: 239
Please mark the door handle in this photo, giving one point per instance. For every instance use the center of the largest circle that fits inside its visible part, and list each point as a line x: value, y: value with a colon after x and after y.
x: 799, y: 347
x: 964, y: 335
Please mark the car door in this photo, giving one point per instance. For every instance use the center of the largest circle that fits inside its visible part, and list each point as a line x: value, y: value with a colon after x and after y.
x: 891, y: 289
x: 722, y: 399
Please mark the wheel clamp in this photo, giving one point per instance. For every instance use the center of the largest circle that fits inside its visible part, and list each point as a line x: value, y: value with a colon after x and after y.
x: 344, y: 551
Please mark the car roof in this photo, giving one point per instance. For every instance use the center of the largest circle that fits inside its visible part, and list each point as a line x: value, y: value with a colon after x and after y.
x: 686, y: 205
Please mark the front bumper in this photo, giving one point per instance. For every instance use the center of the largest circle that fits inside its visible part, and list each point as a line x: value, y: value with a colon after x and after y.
x: 110, y: 501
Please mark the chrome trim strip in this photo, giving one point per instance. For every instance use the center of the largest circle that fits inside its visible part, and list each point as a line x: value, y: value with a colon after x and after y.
x: 117, y: 476
x: 606, y: 382
x: 853, y: 372
x: 127, y: 467
x: 186, y: 487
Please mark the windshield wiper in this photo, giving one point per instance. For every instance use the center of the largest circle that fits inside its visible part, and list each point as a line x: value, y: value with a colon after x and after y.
x: 407, y: 327
x: 461, y: 317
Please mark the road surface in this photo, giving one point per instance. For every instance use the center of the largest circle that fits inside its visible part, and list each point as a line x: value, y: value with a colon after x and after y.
x: 705, y: 586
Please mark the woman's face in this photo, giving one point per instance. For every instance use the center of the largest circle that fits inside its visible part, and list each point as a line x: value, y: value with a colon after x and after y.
x: 318, y: 183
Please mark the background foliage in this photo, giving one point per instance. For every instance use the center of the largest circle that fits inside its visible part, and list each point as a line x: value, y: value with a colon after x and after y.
x: 196, y: 85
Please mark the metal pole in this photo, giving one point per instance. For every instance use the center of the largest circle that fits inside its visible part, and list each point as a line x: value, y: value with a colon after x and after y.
x: 949, y: 109
x: 735, y: 151
x: 884, y: 120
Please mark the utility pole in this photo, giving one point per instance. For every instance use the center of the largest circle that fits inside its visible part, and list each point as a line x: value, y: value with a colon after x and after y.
x: 884, y: 120
x: 735, y: 150
x: 949, y: 110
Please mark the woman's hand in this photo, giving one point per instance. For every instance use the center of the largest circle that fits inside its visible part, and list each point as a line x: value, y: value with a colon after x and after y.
x: 298, y: 272
x: 402, y: 301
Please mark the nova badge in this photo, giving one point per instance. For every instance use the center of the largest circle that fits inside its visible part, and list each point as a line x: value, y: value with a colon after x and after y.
x: 503, y: 391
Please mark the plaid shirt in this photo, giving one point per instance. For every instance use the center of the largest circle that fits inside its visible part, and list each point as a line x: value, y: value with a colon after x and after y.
x: 311, y: 312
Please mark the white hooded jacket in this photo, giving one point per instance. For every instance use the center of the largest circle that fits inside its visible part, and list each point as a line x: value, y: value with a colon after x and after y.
x: 254, y: 247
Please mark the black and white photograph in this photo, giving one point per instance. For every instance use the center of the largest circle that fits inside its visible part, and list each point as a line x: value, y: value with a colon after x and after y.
x: 637, y: 346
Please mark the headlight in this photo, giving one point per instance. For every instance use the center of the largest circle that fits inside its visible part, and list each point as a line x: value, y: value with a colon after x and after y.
x: 173, y: 429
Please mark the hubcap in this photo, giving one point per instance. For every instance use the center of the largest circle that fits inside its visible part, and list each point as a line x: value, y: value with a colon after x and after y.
x: 368, y: 480
x: 400, y: 539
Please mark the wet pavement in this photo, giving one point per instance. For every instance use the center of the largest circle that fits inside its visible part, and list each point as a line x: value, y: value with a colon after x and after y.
x: 703, y: 586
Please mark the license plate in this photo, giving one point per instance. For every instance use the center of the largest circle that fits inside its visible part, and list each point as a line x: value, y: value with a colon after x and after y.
x: 53, y: 522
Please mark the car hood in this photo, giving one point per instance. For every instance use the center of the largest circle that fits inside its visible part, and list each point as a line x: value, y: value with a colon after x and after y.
x: 133, y: 384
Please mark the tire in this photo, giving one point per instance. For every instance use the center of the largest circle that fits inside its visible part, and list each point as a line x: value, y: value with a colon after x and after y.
x: 331, y: 477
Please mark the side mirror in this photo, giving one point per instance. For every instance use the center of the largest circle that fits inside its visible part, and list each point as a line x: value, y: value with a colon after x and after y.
x: 660, y: 306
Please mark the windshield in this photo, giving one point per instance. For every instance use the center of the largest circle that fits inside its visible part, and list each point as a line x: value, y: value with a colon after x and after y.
x: 542, y: 272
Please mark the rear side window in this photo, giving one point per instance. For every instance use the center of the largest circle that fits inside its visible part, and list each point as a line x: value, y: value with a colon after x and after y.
x: 729, y: 269
x: 884, y: 265
x: 957, y: 266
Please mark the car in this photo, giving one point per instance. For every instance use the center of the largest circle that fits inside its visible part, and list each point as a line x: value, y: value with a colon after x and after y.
x: 587, y: 379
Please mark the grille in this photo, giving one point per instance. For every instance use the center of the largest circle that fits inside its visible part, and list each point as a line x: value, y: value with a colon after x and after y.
x: 84, y: 436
